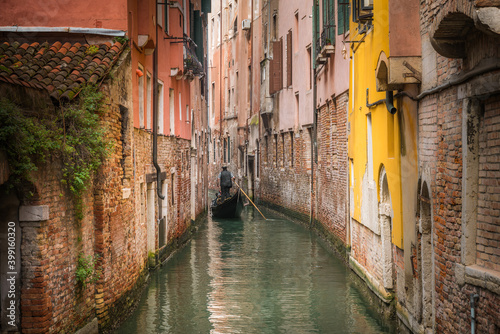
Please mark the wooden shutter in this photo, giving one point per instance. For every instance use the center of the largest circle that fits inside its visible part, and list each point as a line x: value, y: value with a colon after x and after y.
x: 276, y: 68
x: 289, y: 59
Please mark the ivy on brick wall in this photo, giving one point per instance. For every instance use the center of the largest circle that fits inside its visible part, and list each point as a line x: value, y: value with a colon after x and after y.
x: 73, y: 133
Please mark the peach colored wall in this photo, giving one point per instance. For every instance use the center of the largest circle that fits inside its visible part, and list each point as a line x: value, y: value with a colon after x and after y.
x: 287, y: 97
x: 170, y: 55
x: 109, y: 14
x: 333, y: 78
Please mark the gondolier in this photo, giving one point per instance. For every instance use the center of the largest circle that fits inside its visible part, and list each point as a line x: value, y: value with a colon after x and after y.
x: 226, y: 179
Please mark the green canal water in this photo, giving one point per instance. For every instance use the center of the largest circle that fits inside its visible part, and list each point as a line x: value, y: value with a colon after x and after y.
x: 249, y: 275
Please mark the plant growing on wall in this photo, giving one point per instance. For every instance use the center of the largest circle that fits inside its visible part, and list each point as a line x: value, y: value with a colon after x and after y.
x: 86, y: 272
x: 74, y: 133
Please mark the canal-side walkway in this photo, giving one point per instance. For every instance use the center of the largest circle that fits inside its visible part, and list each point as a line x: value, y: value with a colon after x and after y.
x: 249, y: 275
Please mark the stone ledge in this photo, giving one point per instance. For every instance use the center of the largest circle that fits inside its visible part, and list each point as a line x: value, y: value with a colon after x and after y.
x: 90, y: 328
x: 371, y: 282
x: 478, y: 276
x: 33, y: 213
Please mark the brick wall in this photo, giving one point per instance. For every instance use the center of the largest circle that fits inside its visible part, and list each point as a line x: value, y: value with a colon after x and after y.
x: 488, y: 219
x: 49, y: 252
x: 441, y: 164
x: 332, y: 173
x: 280, y: 183
x: 366, y: 248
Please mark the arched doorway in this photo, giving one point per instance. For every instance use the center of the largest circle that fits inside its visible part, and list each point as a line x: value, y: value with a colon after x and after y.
x: 385, y: 218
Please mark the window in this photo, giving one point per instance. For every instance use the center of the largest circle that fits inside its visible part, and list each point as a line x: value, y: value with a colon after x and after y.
x: 274, y: 27
x: 297, y: 105
x: 235, y: 25
x: 276, y: 79
x: 289, y: 59
x: 180, y: 107
x: 291, y: 148
x: 362, y: 10
x: 172, y: 187
x: 213, y: 100
x: 296, y: 37
x: 149, y: 90
x: 232, y: 107
x: 187, y: 113
x: 218, y: 28
x: 160, y: 14
x: 308, y: 66
x: 283, y: 159
x: 167, y: 13
x: 141, y: 98
x: 276, y: 150
x: 230, y: 18
x: 369, y: 148
x: 212, y: 36
x: 328, y: 33
x: 228, y: 149
x: 172, y: 110
x: 160, y: 107
x: 225, y: 149
x: 343, y: 10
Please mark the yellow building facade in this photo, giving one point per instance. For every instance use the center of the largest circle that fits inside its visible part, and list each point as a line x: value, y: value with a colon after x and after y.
x: 385, y: 74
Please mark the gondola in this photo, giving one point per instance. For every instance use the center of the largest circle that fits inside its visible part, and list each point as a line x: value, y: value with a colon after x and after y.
x: 230, y: 208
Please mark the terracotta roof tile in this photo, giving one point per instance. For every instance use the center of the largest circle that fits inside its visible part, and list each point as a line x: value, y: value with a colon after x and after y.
x: 60, y: 69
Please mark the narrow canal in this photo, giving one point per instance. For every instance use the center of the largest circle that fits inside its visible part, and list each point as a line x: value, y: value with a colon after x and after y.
x: 253, y: 276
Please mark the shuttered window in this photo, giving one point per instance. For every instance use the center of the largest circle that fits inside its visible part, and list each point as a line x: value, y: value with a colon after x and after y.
x: 289, y: 59
x: 328, y: 34
x: 343, y: 16
x: 276, y: 68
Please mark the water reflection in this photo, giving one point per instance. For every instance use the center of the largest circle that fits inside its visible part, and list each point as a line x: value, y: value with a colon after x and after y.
x: 253, y: 276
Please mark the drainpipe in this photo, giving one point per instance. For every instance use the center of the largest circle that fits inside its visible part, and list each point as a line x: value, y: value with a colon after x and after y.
x: 155, y: 121
x: 389, y: 101
x: 313, y: 139
x: 473, y: 298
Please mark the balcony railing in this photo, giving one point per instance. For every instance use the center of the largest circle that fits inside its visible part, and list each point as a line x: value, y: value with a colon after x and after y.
x: 192, y: 66
x: 325, y: 44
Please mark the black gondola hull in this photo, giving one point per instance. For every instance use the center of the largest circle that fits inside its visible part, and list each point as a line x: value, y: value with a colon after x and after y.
x: 230, y: 208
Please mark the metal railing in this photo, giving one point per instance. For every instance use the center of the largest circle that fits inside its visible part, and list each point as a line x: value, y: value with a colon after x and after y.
x: 191, y: 62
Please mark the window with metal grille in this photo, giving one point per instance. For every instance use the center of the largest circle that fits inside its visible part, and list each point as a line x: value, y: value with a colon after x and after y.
x: 328, y: 33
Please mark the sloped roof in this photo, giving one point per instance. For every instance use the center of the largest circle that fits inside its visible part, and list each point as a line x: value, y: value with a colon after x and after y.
x: 60, y: 69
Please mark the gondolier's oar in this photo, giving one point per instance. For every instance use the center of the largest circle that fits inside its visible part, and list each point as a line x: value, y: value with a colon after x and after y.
x: 250, y: 200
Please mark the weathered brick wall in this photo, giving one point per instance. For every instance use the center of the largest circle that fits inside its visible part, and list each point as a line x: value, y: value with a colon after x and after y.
x: 280, y: 183
x: 443, y: 150
x: 488, y: 219
x: 332, y: 173
x: 366, y: 248
x: 49, y: 253
x: 441, y: 164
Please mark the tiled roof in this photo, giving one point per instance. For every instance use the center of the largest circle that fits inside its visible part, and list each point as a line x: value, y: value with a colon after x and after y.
x: 61, y: 69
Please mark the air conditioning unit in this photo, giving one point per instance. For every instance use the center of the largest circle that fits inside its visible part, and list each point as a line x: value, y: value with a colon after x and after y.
x: 245, y: 24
